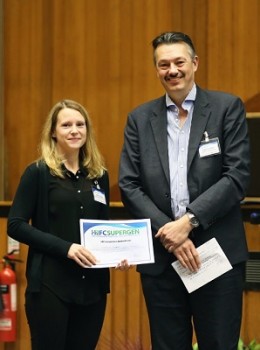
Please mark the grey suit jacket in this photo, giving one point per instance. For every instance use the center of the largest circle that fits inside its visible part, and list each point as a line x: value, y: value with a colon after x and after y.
x: 216, y: 183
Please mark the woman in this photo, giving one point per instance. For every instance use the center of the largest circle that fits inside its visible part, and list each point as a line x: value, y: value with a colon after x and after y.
x: 64, y: 301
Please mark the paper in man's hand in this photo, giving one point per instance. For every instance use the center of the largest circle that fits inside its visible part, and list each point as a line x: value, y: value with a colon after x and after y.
x: 214, y: 263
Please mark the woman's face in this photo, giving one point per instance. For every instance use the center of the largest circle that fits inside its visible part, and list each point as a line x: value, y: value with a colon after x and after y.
x: 70, y: 131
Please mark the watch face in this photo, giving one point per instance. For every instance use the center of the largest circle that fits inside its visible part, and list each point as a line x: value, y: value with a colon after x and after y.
x: 194, y: 221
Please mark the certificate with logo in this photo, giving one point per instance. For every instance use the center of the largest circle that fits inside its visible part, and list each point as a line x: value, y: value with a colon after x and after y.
x: 115, y: 240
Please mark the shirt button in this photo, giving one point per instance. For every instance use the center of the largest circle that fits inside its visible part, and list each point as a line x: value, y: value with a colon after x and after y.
x: 81, y: 207
x: 77, y: 177
x: 79, y: 191
x: 83, y: 277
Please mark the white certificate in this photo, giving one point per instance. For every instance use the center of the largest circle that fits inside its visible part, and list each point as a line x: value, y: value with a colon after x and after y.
x: 214, y: 263
x: 112, y: 241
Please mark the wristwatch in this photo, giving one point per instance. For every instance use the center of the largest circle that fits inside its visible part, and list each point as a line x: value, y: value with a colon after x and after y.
x: 193, y: 220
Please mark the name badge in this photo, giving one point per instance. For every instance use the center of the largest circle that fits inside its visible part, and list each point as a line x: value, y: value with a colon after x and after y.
x: 209, y: 147
x: 99, y: 195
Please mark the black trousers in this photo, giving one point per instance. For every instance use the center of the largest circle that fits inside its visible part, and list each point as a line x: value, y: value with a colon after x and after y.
x: 215, y: 310
x: 56, y: 325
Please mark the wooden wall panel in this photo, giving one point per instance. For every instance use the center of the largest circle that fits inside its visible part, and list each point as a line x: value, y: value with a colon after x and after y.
x: 99, y: 53
x: 96, y: 52
x: 250, y: 328
x: 126, y: 323
x: 26, y: 84
x: 233, y: 46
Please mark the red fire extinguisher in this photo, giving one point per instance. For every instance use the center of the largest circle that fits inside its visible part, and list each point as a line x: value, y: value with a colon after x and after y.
x: 8, y: 293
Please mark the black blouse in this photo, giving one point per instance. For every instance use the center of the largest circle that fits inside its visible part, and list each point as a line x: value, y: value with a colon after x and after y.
x: 71, y: 199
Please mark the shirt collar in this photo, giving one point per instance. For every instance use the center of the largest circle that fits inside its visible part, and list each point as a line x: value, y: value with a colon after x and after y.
x: 189, y: 100
x: 82, y: 170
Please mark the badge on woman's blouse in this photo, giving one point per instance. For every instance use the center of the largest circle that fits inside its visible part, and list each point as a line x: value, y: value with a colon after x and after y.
x: 98, y: 194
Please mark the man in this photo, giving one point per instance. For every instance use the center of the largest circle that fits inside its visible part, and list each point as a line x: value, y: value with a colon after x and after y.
x: 185, y: 165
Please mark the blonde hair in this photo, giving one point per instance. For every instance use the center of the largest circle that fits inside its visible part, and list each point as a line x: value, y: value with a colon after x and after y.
x: 89, y: 155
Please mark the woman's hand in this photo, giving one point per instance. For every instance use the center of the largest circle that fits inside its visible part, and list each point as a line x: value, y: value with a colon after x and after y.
x: 81, y: 255
x: 123, y: 266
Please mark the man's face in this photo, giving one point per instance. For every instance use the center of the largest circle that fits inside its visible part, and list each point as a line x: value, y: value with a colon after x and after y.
x: 176, y: 69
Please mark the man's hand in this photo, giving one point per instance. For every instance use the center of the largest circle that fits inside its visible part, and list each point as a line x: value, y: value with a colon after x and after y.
x: 188, y: 256
x: 174, y: 233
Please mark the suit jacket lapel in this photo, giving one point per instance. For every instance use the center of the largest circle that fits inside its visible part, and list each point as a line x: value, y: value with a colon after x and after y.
x: 159, y: 127
x: 198, y: 126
